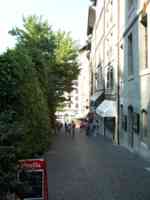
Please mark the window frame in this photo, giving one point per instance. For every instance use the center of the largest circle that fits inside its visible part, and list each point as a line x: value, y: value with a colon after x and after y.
x: 130, y: 55
x: 110, y: 78
x: 130, y: 4
x: 144, y: 25
x: 144, y: 122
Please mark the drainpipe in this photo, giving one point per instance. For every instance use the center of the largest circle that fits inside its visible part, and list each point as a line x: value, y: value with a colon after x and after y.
x: 118, y: 74
x: 117, y: 122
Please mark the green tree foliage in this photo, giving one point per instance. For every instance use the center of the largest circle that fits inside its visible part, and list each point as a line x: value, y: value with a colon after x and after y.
x: 33, y: 78
x: 64, y: 67
x: 63, y: 70
x: 55, y: 57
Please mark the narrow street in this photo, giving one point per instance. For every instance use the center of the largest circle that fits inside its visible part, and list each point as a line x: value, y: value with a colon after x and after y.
x: 92, y: 168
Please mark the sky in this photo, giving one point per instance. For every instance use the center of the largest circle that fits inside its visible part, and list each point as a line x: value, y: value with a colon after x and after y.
x: 67, y: 15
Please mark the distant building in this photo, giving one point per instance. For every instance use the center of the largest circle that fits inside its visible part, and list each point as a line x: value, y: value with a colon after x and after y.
x: 84, y: 83
x: 77, y: 105
x: 70, y: 111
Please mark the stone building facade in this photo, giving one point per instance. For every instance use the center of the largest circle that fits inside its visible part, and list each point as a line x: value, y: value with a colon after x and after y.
x: 103, y: 64
x: 134, y: 77
x: 120, y: 65
x: 84, y: 84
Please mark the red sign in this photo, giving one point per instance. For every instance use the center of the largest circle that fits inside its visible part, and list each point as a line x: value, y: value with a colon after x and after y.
x: 32, y: 164
x: 34, y: 172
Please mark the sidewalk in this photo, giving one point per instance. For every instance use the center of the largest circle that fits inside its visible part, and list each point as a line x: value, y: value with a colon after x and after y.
x: 92, y: 168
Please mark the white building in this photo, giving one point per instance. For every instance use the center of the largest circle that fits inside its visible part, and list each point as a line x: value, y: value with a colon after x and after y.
x: 70, y: 111
x: 84, y: 83
x: 103, y: 61
x: 78, y: 104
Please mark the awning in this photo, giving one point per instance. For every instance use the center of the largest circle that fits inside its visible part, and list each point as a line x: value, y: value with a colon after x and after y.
x: 95, y: 96
x: 107, y: 108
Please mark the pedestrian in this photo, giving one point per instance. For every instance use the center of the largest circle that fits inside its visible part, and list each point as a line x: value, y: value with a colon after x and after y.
x: 94, y: 128
x: 58, y: 127
x: 69, y: 128
x: 73, y: 128
x: 66, y: 127
x: 88, y: 128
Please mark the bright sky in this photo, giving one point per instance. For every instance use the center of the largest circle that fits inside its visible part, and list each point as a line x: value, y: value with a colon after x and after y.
x: 68, y: 15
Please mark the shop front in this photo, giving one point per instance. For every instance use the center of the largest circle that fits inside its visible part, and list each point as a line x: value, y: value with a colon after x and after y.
x: 106, y: 113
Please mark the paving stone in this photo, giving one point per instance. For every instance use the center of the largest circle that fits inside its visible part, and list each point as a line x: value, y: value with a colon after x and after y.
x: 92, y: 168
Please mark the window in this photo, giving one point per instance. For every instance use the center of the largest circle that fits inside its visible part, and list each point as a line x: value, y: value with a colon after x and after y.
x: 101, y: 78
x: 110, y: 78
x: 130, y: 55
x: 111, y: 11
x: 144, y: 43
x: 130, y: 4
x: 76, y: 90
x: 75, y: 83
x: 107, y: 79
x: 121, y: 116
x: 125, y: 122
x: 107, y: 17
x: 77, y: 106
x: 33, y: 184
x: 144, y: 124
x: 136, y: 123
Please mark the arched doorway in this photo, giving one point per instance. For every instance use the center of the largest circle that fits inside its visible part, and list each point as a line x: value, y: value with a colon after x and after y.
x: 130, y: 126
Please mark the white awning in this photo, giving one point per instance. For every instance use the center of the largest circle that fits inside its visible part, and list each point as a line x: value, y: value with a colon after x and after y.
x: 107, y: 108
x: 95, y: 96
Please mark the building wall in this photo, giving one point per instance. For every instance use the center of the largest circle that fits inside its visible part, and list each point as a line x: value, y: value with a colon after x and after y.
x: 103, y: 57
x: 110, y: 45
x: 134, y: 89
x: 84, y: 84
x: 115, y: 22
x: 104, y: 43
x: 78, y: 105
x: 98, y: 44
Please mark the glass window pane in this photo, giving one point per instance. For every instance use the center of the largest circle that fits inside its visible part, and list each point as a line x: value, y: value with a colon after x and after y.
x: 33, y: 184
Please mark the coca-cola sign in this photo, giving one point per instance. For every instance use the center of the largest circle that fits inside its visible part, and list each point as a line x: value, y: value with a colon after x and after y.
x: 32, y: 164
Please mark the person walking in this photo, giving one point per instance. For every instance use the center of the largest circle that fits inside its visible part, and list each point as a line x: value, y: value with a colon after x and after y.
x: 94, y: 128
x: 66, y: 127
x: 88, y: 128
x: 69, y: 128
x: 73, y: 128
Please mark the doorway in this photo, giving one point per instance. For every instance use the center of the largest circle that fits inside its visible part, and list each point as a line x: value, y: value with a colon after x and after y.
x: 130, y: 127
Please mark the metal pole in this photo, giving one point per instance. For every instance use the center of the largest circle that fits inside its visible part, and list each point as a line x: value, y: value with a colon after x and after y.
x: 118, y: 71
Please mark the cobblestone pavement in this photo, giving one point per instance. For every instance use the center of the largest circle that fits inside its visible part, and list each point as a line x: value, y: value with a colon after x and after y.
x: 92, y: 168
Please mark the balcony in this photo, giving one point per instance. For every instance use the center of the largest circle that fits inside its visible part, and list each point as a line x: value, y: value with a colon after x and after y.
x: 110, y: 94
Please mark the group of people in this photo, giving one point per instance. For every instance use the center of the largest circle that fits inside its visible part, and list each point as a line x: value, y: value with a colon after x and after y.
x: 70, y: 128
x: 89, y: 126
